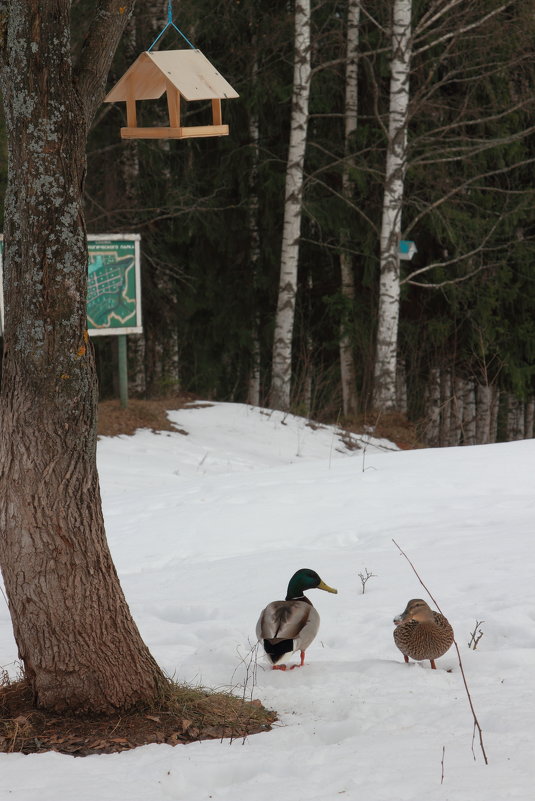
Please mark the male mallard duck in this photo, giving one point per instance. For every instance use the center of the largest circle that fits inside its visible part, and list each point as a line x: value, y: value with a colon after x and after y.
x: 421, y: 633
x: 291, y: 625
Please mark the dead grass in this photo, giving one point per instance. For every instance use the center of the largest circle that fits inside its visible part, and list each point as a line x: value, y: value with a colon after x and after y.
x: 113, y: 420
x: 183, y: 715
x: 387, y: 425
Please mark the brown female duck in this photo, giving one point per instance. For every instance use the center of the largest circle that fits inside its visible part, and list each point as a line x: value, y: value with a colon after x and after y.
x: 421, y: 633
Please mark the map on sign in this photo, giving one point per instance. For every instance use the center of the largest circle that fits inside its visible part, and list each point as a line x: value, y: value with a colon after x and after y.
x: 113, y: 284
x: 113, y: 287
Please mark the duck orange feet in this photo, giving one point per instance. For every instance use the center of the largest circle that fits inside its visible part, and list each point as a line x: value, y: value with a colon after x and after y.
x: 290, y: 667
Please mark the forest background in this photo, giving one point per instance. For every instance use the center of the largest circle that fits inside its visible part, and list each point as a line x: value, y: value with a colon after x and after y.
x: 211, y: 212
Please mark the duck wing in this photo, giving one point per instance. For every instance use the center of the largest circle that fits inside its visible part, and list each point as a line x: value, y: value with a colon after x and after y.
x: 283, y: 620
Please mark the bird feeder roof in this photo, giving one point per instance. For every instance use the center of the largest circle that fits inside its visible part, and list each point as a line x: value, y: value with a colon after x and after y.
x: 187, y: 70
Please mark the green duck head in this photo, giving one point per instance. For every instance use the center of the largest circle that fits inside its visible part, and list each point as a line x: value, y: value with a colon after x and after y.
x: 305, y: 579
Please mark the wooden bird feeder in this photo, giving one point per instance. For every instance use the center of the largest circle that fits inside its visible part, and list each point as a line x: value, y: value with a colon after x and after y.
x: 181, y: 74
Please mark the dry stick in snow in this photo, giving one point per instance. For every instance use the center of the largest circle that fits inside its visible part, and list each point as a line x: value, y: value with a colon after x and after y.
x: 476, y: 721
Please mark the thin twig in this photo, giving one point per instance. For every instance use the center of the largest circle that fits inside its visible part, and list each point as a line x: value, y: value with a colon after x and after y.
x: 476, y: 635
x: 442, y: 764
x: 476, y: 721
x: 364, y: 578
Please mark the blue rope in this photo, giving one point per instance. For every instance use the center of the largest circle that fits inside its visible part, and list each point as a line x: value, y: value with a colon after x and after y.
x: 170, y: 24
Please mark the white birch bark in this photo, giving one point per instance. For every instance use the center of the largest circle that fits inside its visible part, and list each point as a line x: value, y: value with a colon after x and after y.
x: 281, y: 375
x: 396, y: 160
x: 347, y: 361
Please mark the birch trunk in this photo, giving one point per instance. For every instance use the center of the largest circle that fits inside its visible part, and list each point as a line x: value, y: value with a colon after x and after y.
x: 76, y: 638
x: 396, y: 161
x: 281, y: 374
x: 347, y: 360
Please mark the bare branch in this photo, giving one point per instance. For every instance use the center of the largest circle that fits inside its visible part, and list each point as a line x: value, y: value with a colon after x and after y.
x: 364, y: 577
x: 351, y: 205
x: 474, y: 716
x: 475, y: 635
x: 460, y: 31
x: 433, y: 14
x: 440, y: 284
x: 463, y: 186
x: 485, y: 120
x: 98, y: 50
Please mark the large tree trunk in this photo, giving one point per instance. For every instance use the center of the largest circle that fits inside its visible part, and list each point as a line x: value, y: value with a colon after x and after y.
x: 347, y: 282
x: 79, y: 645
x: 281, y: 375
x: 396, y: 160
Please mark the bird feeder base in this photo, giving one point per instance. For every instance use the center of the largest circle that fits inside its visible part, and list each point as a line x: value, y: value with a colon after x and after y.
x: 189, y: 132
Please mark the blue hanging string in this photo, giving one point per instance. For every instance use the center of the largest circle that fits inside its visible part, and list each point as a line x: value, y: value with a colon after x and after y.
x: 170, y: 24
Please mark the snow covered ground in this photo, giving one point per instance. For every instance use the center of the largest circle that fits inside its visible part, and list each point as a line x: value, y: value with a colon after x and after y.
x: 206, y: 529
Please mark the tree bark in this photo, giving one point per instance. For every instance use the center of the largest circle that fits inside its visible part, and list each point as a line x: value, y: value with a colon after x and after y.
x: 469, y: 413
x: 432, y: 408
x: 79, y: 645
x: 396, y: 163
x: 484, y: 399
x: 253, y: 384
x: 347, y: 283
x: 130, y: 174
x: 515, y: 419
x: 456, y: 424
x: 281, y: 374
x: 494, y: 410
x: 446, y: 405
x: 529, y: 418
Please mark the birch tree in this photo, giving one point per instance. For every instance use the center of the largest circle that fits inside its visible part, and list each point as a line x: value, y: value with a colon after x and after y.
x: 80, y: 648
x: 281, y: 374
x: 396, y: 164
x: 347, y: 361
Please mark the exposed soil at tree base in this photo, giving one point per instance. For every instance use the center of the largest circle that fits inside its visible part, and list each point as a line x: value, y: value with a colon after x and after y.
x: 201, y: 715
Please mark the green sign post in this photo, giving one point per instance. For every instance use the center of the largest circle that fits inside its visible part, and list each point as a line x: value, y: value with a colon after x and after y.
x: 113, y: 293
